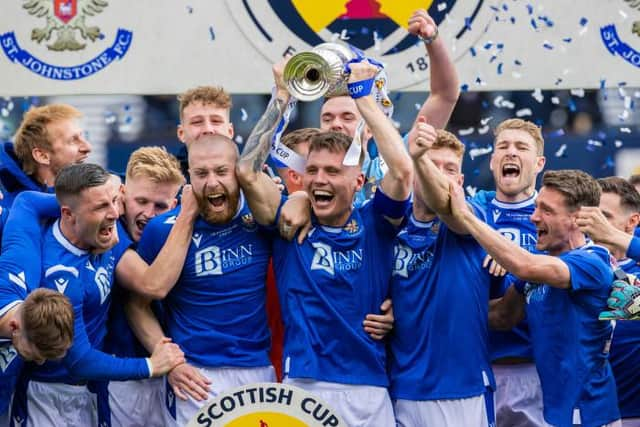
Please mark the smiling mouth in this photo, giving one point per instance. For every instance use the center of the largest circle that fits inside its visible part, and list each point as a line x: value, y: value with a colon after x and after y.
x: 322, y: 196
x: 141, y: 224
x: 541, y: 232
x: 217, y: 200
x: 510, y: 170
x: 106, y: 231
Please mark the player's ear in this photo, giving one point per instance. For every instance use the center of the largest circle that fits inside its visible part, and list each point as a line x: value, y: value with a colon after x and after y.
x: 66, y: 213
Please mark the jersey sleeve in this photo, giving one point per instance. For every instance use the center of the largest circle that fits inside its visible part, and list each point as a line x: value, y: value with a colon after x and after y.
x: 154, y: 236
x: 387, y: 207
x: 587, y: 270
x: 25, y: 220
x: 84, y: 361
x: 633, y: 251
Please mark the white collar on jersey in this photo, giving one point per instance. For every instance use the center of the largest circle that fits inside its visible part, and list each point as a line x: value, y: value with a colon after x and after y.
x: 420, y: 224
x: 66, y: 243
x: 241, y: 202
x: 516, y: 205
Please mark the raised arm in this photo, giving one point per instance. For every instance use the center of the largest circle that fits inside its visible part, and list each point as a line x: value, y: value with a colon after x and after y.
x: 396, y: 183
x: 520, y: 262
x: 443, y: 78
x: 593, y: 223
x: 156, y: 280
x: 261, y: 192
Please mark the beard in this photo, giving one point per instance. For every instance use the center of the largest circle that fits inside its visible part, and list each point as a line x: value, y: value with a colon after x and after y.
x: 213, y: 216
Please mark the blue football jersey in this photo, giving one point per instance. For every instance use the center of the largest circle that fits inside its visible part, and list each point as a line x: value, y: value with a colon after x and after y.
x: 326, y: 287
x: 513, y: 221
x: 216, y: 311
x: 440, y: 292
x: 86, y: 280
x: 10, y: 366
x: 625, y: 356
x: 571, y: 345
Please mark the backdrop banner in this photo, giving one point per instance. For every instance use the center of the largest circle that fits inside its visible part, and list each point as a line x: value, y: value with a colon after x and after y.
x: 57, y: 47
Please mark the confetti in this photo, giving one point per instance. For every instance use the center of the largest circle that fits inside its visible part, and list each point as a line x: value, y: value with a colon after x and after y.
x: 4, y: 112
x: 524, y: 112
x: 617, y: 143
x: 128, y: 120
x: 245, y: 115
x: 577, y: 92
x: 624, y: 15
x: 567, y: 39
x: 473, y: 51
x: 239, y: 139
x: 537, y: 95
x: 483, y: 130
x: 624, y: 115
x: 572, y: 106
x: 377, y: 41
x: 471, y: 191
x: 464, y: 88
x: 516, y: 75
x: 499, y: 68
x: 189, y: 9
x: 442, y: 6
x: 477, y: 152
x: 530, y: 9
x: 517, y: 62
x: 628, y: 103
x: 583, y: 21
x: 486, y: 120
x: 555, y: 100
x: 110, y: 117
x: 561, y: 151
x: 547, y: 45
x: 466, y: 132
x: 625, y: 130
x: 533, y: 24
x: 508, y: 104
x: 212, y: 33
x: 595, y: 142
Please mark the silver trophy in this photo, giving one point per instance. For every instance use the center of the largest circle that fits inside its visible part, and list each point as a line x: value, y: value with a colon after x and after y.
x: 318, y: 72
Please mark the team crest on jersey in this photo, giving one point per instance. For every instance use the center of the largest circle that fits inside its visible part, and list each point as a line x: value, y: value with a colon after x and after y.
x: 7, y: 354
x: 352, y: 227
x: 67, y: 28
x: 249, y: 222
x: 623, y: 39
x: 377, y: 27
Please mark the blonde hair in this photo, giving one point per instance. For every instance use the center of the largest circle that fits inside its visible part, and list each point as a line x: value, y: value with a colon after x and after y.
x: 215, y: 95
x: 529, y: 127
x: 156, y: 164
x: 446, y: 139
x: 47, y: 319
x: 33, y: 133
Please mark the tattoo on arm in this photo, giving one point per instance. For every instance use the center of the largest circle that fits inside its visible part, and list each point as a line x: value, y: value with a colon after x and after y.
x: 258, y: 145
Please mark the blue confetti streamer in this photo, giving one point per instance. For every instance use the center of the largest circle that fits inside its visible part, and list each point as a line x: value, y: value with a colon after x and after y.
x: 495, y: 9
x: 572, y: 106
x: 212, y: 33
x: 583, y: 21
x: 558, y: 81
x: 473, y: 51
x: 548, y: 46
x: 500, y: 68
x: 467, y: 23
x: 533, y: 24
x: 505, y: 7
x: 530, y: 9
x: 567, y: 40
x: 464, y: 87
x: 517, y: 62
x: 500, y: 46
x: 513, y: 19
x: 189, y: 9
x: 487, y: 46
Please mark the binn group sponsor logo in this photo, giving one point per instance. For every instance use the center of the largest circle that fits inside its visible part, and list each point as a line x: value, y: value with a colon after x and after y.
x: 377, y: 27
x: 215, y: 261
x: 63, y: 31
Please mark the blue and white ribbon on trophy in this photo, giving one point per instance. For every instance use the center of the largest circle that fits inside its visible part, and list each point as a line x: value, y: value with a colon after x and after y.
x: 282, y: 155
x: 377, y: 87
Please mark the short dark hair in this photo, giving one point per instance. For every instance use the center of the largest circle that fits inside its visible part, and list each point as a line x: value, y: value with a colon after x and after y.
x: 298, y: 136
x: 73, y: 179
x: 578, y: 187
x: 634, y: 180
x: 334, y: 142
x: 629, y: 197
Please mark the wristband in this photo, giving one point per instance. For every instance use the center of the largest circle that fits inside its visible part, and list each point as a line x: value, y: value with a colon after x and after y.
x: 360, y: 89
